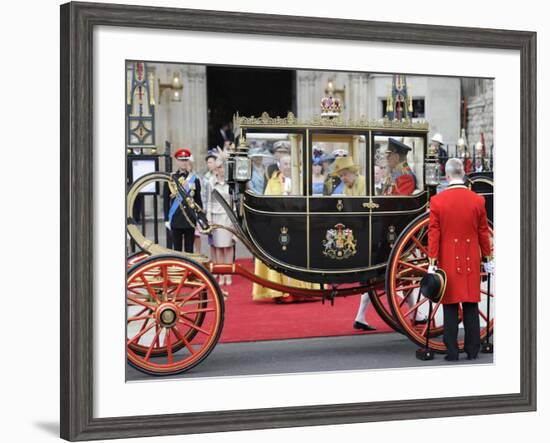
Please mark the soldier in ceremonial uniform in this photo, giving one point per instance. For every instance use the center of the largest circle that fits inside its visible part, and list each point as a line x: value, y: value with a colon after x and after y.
x: 401, y: 180
x: 183, y: 233
x: 457, y: 232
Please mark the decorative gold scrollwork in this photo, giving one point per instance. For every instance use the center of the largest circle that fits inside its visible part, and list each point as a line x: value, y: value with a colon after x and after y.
x: 371, y: 205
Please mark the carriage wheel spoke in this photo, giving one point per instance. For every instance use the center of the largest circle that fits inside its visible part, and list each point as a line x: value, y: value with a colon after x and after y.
x: 403, y: 288
x: 141, y: 303
x: 155, y: 340
x: 196, y: 311
x: 165, y: 283
x: 483, y: 316
x: 193, y: 325
x: 410, y: 265
x: 133, y: 288
x: 415, y: 307
x: 420, y: 245
x: 141, y: 333
x: 142, y: 311
x: 431, y: 319
x: 169, y: 345
x: 180, y: 284
x: 185, y: 341
x: 404, y: 300
x: 150, y: 290
x: 139, y: 317
x: 189, y: 296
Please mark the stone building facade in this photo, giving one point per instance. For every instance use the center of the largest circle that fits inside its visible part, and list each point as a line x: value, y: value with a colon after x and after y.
x: 479, y: 104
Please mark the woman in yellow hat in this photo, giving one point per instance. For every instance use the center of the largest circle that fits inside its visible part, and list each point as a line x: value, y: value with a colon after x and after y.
x: 348, y: 171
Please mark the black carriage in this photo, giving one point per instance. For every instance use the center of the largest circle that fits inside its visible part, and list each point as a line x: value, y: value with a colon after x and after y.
x: 372, y: 240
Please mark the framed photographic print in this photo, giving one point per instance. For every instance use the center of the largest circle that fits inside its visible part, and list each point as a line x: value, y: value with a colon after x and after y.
x: 294, y: 172
x: 140, y: 165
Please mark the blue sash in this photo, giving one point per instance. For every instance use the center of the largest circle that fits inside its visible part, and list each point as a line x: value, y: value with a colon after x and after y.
x: 338, y: 189
x: 175, y: 204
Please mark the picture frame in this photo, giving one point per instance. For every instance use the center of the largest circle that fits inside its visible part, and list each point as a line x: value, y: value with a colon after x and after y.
x: 138, y: 166
x: 78, y: 21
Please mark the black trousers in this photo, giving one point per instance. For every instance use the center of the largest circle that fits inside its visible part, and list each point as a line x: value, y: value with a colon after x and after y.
x: 472, y: 342
x: 183, y: 237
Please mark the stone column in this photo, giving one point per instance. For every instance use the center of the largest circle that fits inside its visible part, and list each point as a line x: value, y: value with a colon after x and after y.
x: 356, y: 97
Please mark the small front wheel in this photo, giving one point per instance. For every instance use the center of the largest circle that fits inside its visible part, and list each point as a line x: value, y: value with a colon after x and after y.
x: 175, y: 313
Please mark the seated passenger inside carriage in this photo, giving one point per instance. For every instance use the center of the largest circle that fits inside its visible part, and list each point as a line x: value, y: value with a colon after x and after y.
x: 284, y: 181
x: 352, y: 183
x: 401, y: 179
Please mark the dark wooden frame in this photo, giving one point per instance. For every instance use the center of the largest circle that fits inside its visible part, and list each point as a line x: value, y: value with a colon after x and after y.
x: 77, y: 23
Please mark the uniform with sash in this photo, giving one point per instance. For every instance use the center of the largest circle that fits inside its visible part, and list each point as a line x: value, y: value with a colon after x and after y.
x: 183, y: 233
x: 402, y: 181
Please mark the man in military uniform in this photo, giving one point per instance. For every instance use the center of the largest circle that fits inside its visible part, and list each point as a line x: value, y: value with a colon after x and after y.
x: 183, y: 232
x: 401, y: 180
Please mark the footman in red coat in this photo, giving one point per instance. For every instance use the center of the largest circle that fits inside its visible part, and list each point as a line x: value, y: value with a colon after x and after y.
x: 458, y: 238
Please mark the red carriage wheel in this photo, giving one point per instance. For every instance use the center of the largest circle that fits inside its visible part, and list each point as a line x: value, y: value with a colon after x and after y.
x: 135, y: 258
x: 380, y: 302
x: 174, y: 314
x: 407, y: 264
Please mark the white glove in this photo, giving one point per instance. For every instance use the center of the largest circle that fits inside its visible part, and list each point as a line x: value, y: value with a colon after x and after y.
x: 167, y: 224
x: 489, y: 267
x: 432, y: 269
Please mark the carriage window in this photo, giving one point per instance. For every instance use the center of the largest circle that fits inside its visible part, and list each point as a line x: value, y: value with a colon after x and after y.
x: 276, y: 163
x: 398, y: 165
x: 338, y: 165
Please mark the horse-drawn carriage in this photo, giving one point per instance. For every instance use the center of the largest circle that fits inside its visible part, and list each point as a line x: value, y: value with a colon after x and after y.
x: 372, y: 240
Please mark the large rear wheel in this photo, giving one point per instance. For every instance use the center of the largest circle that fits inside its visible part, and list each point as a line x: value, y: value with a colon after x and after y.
x: 407, y: 264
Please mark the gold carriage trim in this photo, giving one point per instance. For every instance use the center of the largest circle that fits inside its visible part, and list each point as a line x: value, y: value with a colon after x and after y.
x: 322, y: 122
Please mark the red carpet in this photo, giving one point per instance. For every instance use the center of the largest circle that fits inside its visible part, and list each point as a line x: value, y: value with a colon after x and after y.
x: 246, y: 320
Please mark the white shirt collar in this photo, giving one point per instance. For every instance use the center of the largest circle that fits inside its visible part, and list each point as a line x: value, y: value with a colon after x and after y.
x: 456, y: 181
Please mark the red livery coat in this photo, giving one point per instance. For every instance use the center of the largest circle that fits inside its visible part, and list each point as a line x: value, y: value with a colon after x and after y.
x: 458, y: 235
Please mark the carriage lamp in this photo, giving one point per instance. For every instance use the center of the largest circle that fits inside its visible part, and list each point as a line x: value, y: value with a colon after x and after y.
x: 243, y: 169
x: 432, y: 173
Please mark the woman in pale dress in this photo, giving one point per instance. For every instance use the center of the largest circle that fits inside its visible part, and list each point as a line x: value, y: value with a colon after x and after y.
x: 278, y: 184
x: 317, y: 177
x: 222, y: 240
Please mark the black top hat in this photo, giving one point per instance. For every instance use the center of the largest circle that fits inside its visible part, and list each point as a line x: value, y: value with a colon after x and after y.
x: 398, y: 147
x: 432, y: 286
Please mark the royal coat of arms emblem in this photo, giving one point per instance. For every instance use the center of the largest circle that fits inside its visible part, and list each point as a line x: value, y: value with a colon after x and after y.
x: 339, y: 243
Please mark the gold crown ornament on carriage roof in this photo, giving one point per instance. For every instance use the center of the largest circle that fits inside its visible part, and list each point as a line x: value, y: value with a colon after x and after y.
x: 331, y: 106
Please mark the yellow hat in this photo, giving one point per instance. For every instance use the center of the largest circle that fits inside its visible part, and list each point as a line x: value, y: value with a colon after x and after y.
x: 342, y: 163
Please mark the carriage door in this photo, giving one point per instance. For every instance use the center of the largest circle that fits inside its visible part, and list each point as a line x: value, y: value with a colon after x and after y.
x: 338, y: 187
x: 398, y: 188
x: 275, y: 201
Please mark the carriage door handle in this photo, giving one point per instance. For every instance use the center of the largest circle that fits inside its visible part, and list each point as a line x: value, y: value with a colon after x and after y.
x: 371, y: 205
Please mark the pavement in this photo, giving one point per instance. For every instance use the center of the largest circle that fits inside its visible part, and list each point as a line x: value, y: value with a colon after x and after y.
x: 356, y: 352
